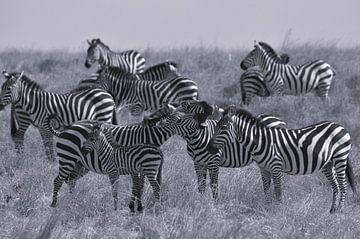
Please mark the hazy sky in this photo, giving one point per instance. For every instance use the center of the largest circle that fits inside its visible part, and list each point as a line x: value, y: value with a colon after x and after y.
x: 124, y: 24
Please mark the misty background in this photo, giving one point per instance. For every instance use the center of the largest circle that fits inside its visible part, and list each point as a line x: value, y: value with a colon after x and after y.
x: 67, y: 24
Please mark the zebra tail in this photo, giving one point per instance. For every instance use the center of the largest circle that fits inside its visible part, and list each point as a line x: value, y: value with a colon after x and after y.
x: 114, y: 117
x: 350, y: 175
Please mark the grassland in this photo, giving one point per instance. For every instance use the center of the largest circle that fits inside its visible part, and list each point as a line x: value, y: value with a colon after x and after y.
x: 26, y: 183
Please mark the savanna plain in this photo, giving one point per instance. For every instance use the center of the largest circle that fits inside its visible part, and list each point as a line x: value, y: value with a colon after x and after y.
x: 26, y: 182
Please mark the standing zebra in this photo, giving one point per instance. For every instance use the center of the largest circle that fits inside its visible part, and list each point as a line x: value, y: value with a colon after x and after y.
x: 290, y: 79
x: 130, y: 61
x: 71, y: 140
x: 252, y: 82
x: 32, y: 102
x: 322, y: 147
x: 232, y: 156
x: 144, y: 94
x: 136, y: 160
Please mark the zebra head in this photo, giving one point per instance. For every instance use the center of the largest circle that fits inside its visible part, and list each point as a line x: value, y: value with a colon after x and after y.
x: 93, y: 139
x: 224, y: 132
x: 195, y: 107
x: 10, y: 89
x: 256, y: 56
x: 183, y: 124
x: 93, y: 52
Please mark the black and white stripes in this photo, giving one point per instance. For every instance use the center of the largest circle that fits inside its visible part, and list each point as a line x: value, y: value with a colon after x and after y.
x: 130, y: 61
x: 290, y: 79
x: 322, y: 147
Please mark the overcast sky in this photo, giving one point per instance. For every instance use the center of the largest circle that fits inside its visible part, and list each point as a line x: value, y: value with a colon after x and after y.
x: 123, y: 24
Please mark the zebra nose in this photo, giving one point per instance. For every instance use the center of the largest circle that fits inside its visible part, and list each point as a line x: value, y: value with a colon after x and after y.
x: 242, y: 66
x: 87, y: 64
x: 2, y: 107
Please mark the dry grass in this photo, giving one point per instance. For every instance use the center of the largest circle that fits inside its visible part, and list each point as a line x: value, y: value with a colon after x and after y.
x: 26, y: 183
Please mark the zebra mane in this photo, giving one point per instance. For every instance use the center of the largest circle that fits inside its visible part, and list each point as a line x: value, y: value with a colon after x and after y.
x: 28, y: 81
x: 99, y: 42
x: 272, y: 53
x: 244, y: 113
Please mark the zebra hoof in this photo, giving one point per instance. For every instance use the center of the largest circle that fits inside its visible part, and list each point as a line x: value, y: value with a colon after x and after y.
x: 132, y: 207
x: 140, y: 208
x: 333, y: 210
x: 53, y: 204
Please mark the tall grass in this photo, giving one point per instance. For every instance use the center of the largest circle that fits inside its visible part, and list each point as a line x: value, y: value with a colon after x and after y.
x: 26, y: 183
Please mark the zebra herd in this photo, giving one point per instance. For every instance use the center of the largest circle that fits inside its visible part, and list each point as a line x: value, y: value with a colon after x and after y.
x: 88, y: 137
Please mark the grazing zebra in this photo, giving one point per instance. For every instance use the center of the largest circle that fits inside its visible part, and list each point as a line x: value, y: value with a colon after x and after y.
x: 290, y: 79
x: 31, y: 104
x: 130, y: 61
x: 252, y: 82
x: 233, y: 156
x: 145, y: 95
x: 157, y: 72
x: 322, y: 147
x: 136, y: 160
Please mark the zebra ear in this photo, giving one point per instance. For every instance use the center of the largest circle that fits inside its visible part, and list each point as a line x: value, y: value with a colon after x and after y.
x: 7, y: 75
x: 89, y: 42
x: 22, y: 73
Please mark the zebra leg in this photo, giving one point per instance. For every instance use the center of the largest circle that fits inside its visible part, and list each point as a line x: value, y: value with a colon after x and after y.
x: 331, y: 177
x: 47, y: 138
x: 136, y: 191
x: 18, y: 139
x: 141, y: 189
x: 114, y: 176
x: 155, y: 185
x: 340, y: 170
x: 201, y: 177
x: 266, y: 179
x: 214, y: 178
x: 57, y: 185
x: 276, y: 175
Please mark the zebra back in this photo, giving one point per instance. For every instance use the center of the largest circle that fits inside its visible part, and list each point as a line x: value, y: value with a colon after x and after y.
x: 130, y: 61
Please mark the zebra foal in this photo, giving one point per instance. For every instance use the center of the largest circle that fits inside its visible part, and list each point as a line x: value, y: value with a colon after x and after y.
x: 139, y: 161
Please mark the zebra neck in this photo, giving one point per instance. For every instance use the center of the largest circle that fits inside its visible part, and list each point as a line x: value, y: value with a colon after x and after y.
x: 267, y: 63
x: 32, y: 100
x: 105, y: 150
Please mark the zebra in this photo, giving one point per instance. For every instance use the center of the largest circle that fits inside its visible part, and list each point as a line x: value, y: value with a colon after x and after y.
x: 130, y: 61
x: 137, y: 160
x: 145, y: 95
x: 323, y: 146
x: 233, y: 156
x: 157, y: 72
x: 252, y: 82
x: 290, y: 79
x: 71, y: 139
x: 31, y: 105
